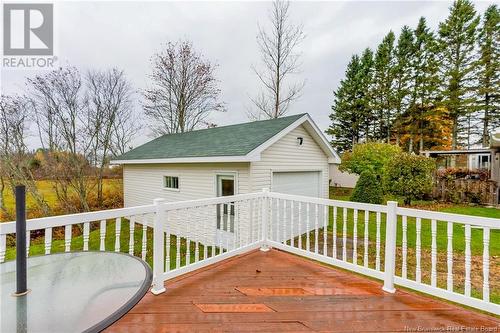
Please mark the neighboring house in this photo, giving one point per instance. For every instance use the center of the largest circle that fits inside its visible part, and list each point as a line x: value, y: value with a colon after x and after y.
x: 342, y: 179
x: 288, y: 155
x: 471, y: 160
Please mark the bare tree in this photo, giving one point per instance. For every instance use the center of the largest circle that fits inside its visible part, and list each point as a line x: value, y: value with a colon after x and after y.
x: 184, y: 91
x: 63, y: 125
x: 280, y: 60
x: 15, y: 158
x: 108, y: 100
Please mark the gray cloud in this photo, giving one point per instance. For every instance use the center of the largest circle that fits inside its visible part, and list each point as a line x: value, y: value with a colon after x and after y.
x: 126, y: 35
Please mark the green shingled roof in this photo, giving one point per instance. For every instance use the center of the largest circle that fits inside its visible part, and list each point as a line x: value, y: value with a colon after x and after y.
x: 233, y: 140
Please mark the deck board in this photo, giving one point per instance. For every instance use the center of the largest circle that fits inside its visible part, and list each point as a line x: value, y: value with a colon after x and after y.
x: 299, y: 295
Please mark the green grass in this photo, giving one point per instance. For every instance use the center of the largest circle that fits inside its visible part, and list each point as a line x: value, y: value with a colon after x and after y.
x: 37, y: 246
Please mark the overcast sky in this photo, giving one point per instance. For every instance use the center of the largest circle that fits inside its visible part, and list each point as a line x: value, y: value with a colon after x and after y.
x: 126, y: 34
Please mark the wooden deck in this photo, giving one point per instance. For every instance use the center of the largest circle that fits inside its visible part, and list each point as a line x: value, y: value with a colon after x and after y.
x: 277, y: 291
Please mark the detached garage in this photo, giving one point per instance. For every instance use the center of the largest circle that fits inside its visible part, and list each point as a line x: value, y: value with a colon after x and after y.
x: 288, y: 155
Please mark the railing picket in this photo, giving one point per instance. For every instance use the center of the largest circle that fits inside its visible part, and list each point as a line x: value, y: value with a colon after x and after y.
x: 316, y: 230
x: 67, y: 238
x: 467, y: 260
x: 28, y: 239
x: 300, y: 225
x: 292, y: 221
x: 86, y: 233
x: 355, y: 238
x: 144, y: 247
x: 377, y: 245
x: 418, y: 247
x: 131, y: 235
x: 325, y: 230
x: 3, y: 247
x: 334, y: 233
x: 433, y: 253
x: 48, y: 240
x: 228, y: 226
x: 118, y: 227
x: 205, y: 232
x: 177, y: 251
x: 214, y: 239
x: 486, y: 264
x: 284, y: 221
x: 197, y: 236
x: 250, y: 221
x: 188, y: 241
x: 365, y: 254
x: 308, y: 240
x: 102, y: 235
x: 344, y: 234
x: 221, y: 225
x: 449, y: 257
x: 167, y: 248
x: 404, y: 267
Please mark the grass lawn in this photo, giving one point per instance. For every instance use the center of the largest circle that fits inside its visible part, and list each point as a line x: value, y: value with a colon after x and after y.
x: 441, y: 239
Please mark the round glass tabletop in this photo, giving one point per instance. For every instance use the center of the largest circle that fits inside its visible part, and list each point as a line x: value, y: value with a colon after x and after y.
x: 72, y: 292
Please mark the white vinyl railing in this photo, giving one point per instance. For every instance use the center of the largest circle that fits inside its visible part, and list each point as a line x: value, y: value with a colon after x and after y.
x: 400, y: 246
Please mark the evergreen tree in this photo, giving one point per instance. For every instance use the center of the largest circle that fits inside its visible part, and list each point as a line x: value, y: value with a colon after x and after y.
x: 489, y: 72
x: 383, y: 100
x: 345, y: 117
x: 403, y: 73
x: 425, y: 83
x: 457, y: 38
x: 366, y: 96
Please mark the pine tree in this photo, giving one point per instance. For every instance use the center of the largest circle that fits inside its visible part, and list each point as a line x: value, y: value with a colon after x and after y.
x: 425, y: 83
x: 345, y: 117
x: 402, y: 77
x: 383, y: 100
x: 351, y: 111
x: 366, y: 96
x: 457, y: 38
x: 489, y: 72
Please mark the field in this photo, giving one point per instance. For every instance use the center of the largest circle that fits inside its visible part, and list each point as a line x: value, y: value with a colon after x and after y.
x: 45, y: 187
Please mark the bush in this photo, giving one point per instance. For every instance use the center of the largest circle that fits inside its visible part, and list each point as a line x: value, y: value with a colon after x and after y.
x: 371, y: 157
x: 368, y: 189
x: 409, y: 176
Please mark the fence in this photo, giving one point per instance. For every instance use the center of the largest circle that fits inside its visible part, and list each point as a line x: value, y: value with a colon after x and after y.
x: 444, y: 255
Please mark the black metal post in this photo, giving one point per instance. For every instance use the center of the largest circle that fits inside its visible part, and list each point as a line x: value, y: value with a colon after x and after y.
x: 21, y: 269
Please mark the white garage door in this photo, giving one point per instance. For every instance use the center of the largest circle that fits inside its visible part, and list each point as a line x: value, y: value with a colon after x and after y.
x: 305, y: 183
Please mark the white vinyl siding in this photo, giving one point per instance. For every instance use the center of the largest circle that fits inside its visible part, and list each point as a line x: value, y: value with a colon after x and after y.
x: 287, y: 155
x: 142, y: 183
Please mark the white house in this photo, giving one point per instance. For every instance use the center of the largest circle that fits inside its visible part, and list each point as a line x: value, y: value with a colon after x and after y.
x: 288, y: 155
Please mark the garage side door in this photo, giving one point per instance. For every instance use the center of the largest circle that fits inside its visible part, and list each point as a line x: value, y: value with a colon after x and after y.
x: 305, y: 183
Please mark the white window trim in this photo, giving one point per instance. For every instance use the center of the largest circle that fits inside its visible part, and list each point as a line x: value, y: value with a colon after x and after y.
x: 169, y: 189
x: 226, y: 173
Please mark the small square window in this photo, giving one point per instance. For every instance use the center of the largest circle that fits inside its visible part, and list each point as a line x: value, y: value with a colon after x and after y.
x: 171, y: 182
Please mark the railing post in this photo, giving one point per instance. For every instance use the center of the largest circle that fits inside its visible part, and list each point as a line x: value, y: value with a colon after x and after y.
x: 265, y: 220
x: 390, y: 246
x: 158, y: 248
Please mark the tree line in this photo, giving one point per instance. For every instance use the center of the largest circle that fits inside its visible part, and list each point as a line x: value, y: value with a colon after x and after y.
x: 424, y: 89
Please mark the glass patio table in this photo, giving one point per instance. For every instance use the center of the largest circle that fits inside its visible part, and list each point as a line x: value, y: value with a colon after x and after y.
x: 72, y: 292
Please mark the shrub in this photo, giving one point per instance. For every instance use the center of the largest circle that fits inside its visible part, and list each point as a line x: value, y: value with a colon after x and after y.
x: 409, y: 176
x: 370, y: 156
x: 368, y: 189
